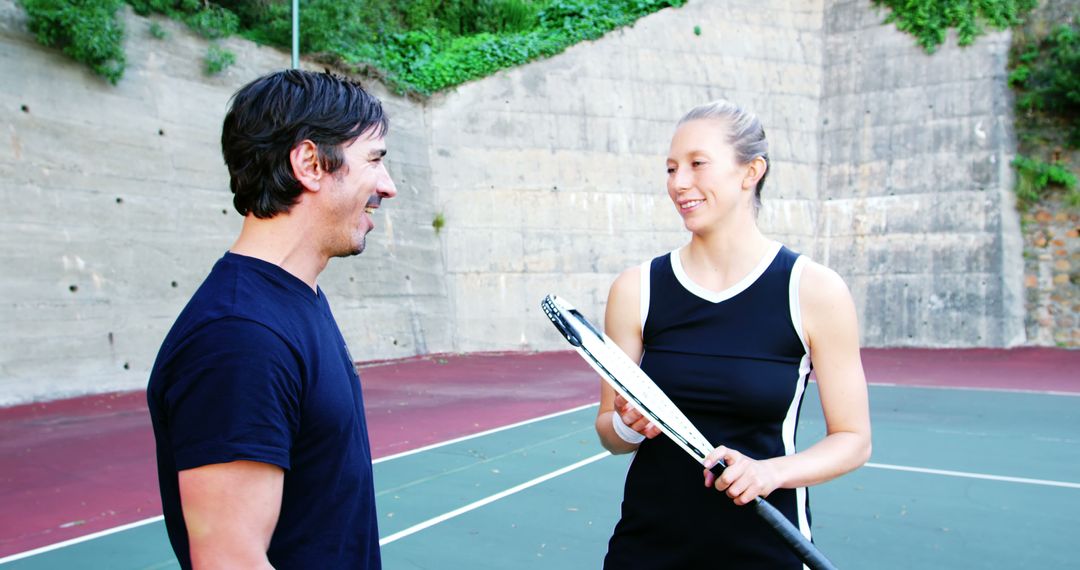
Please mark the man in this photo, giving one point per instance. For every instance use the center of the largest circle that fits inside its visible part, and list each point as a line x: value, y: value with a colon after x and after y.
x: 262, y: 446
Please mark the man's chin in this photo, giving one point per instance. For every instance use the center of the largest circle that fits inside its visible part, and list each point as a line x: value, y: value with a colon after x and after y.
x: 356, y: 250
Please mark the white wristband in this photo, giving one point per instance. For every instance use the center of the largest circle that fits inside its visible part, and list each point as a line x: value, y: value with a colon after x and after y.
x: 623, y: 431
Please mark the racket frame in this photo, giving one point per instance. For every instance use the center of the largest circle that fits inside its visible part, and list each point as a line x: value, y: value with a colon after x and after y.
x: 587, y: 340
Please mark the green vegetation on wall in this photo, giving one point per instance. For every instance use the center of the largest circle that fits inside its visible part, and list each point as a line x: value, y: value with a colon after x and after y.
x: 217, y: 59
x: 434, y: 57
x: 419, y: 46
x: 86, y: 30
x: 930, y: 20
x: 1035, y: 179
x: 1045, y: 75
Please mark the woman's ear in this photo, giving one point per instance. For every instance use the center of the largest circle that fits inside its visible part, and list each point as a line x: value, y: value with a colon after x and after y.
x: 306, y: 166
x: 754, y: 172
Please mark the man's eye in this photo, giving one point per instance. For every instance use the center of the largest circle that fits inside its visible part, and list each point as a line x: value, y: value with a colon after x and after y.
x: 670, y: 170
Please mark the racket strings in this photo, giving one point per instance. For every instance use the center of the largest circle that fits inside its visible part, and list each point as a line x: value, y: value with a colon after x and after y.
x: 645, y: 395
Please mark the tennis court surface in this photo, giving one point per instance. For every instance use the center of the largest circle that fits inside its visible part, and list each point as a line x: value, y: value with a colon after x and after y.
x: 490, y: 461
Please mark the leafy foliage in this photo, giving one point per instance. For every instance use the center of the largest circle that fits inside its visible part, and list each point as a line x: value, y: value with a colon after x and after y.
x: 434, y: 57
x: 929, y: 20
x: 157, y: 31
x: 419, y: 46
x: 213, y: 22
x: 1046, y: 76
x: 1044, y: 73
x: 88, y: 31
x: 218, y: 59
x: 1036, y: 178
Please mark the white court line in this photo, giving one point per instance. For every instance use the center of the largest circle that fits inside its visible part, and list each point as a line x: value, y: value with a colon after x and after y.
x: 976, y: 389
x: 483, y: 433
x: 66, y: 543
x: 487, y: 500
x: 969, y: 475
x: 128, y: 526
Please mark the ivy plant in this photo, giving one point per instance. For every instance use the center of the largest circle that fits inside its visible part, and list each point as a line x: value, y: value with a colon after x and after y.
x: 930, y: 20
x: 88, y: 31
x: 418, y: 46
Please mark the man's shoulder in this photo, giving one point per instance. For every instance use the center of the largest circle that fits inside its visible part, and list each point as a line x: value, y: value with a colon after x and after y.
x: 245, y: 288
x: 233, y: 305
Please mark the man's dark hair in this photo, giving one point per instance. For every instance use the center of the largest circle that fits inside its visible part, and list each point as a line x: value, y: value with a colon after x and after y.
x: 268, y: 117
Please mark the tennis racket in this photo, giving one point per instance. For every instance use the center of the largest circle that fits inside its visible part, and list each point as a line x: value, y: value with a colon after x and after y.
x: 630, y: 382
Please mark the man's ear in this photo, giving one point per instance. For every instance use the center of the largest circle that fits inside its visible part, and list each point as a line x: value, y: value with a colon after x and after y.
x: 306, y: 166
x: 754, y: 171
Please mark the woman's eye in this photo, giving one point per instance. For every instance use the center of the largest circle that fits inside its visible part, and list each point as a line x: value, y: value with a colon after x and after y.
x: 697, y: 163
x: 671, y: 170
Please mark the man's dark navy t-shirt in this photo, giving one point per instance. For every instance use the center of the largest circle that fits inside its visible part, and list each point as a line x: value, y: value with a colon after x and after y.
x: 256, y: 369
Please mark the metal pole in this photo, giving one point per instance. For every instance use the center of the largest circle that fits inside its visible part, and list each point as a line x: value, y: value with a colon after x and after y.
x: 295, y: 34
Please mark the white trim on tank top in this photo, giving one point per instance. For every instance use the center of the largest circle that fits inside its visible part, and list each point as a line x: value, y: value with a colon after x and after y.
x: 718, y: 296
x: 789, y: 425
x: 646, y: 270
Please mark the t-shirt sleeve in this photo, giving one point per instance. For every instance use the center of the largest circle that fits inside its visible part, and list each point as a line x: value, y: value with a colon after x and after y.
x: 233, y: 394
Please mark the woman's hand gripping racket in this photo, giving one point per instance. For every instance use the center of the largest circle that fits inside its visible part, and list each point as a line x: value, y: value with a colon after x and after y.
x: 630, y: 382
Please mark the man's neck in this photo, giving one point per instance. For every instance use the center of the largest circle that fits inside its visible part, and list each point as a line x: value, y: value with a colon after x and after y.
x: 283, y: 240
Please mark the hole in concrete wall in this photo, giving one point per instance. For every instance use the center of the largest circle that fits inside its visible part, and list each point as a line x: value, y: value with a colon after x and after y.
x: 24, y: 108
x: 110, y: 338
x: 352, y: 279
x: 119, y: 200
x: 127, y: 366
x: 161, y: 132
x: 407, y: 278
x: 173, y: 283
x: 394, y: 341
x: 73, y: 288
x: 224, y: 212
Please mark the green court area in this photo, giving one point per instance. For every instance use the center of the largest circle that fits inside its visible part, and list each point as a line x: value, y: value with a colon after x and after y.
x: 960, y: 478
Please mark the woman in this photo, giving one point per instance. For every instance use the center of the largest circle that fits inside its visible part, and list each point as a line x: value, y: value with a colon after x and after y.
x: 726, y: 326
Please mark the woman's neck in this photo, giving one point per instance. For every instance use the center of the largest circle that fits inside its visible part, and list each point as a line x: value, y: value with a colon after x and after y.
x: 717, y: 260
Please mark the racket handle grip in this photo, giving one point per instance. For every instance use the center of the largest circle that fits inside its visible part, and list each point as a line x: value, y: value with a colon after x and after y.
x: 795, y: 540
x: 718, y: 468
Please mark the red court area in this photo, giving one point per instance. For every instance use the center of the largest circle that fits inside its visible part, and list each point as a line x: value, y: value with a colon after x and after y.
x: 73, y: 467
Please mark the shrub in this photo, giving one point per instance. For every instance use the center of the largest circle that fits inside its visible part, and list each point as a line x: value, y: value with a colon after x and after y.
x: 218, y: 59
x: 418, y: 45
x: 929, y: 20
x: 158, y: 32
x: 213, y: 22
x: 89, y: 31
x: 1036, y: 178
x: 1046, y: 76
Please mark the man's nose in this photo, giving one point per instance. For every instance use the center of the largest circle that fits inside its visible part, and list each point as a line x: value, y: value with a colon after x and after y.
x: 386, y: 187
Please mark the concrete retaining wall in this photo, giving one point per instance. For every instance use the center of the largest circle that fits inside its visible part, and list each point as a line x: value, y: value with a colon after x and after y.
x: 552, y: 175
x: 889, y: 165
x: 917, y: 209
x: 116, y: 204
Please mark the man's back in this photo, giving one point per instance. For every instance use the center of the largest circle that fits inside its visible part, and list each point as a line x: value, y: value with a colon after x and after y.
x: 255, y: 369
